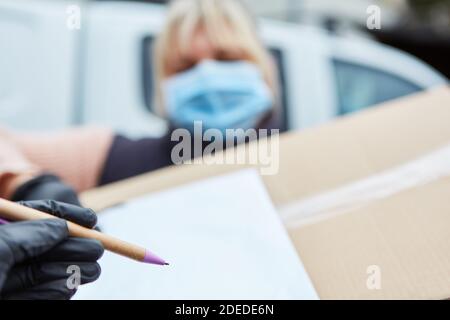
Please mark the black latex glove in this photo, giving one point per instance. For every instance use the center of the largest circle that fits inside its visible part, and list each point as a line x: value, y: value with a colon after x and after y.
x: 46, y: 186
x: 35, y: 255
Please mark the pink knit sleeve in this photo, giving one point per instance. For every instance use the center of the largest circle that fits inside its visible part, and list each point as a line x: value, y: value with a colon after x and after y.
x: 12, y: 163
x: 76, y: 155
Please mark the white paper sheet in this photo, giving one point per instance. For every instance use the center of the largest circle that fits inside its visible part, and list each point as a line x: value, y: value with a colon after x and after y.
x: 222, y: 237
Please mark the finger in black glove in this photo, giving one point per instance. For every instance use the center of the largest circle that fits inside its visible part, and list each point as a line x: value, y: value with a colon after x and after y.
x: 46, y: 186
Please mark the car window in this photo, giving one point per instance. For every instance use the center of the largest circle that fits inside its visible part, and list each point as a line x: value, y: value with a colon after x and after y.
x: 280, y: 61
x: 147, y: 71
x: 359, y: 87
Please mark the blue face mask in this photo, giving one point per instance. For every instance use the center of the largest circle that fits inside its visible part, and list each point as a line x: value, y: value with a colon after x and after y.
x: 223, y: 95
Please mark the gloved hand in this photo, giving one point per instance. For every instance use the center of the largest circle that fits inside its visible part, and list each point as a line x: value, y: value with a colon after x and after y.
x: 35, y: 256
x: 46, y: 186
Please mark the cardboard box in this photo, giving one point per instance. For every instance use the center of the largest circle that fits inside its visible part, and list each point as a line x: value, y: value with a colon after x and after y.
x: 405, y: 236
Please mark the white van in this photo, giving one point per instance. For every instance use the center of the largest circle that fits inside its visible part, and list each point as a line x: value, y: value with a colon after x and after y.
x: 53, y: 77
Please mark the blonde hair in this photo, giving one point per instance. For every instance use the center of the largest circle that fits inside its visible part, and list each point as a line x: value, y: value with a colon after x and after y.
x: 227, y: 24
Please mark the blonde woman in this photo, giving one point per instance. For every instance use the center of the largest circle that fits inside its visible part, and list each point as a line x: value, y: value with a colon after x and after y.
x: 210, y: 67
x: 207, y: 40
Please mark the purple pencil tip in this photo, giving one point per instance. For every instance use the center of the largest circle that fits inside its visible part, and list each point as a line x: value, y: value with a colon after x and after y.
x: 153, y: 259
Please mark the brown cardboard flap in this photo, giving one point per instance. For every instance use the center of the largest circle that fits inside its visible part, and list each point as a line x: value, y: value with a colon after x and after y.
x: 407, y: 236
